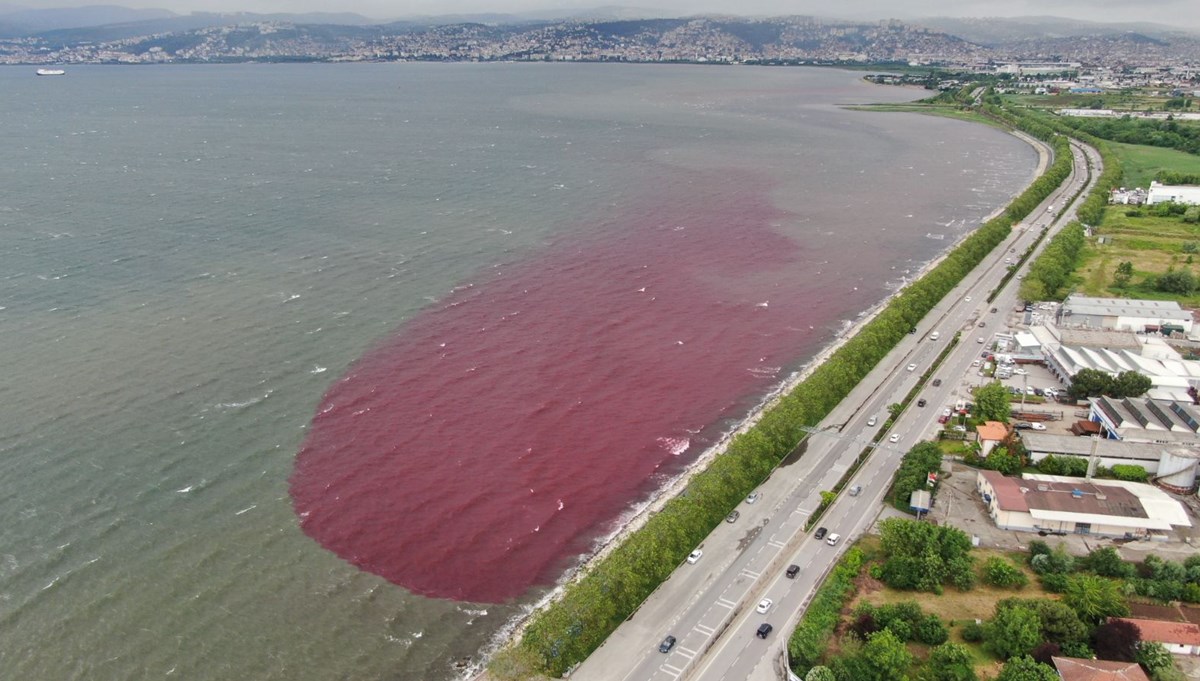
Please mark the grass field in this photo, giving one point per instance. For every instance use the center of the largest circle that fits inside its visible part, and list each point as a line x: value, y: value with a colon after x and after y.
x: 1151, y: 243
x: 1140, y: 163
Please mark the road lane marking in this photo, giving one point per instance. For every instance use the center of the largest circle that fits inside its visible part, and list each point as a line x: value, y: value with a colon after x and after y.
x: 673, y: 671
x: 776, y: 543
x: 726, y: 603
x: 751, y: 573
x: 707, y: 631
x: 689, y: 654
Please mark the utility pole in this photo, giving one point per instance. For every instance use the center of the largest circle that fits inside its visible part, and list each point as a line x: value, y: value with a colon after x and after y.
x: 1092, y: 459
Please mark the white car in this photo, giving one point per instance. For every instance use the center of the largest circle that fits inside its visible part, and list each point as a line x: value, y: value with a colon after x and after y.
x: 1038, y: 426
x: 975, y: 363
x: 894, y: 438
x: 968, y: 299
x: 833, y: 539
x: 912, y: 367
x: 1020, y: 372
x: 695, y: 556
x: 872, y: 421
x: 753, y: 497
x: 980, y: 340
x: 764, y: 605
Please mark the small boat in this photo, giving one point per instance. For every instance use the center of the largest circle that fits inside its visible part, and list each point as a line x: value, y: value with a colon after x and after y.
x: 51, y: 72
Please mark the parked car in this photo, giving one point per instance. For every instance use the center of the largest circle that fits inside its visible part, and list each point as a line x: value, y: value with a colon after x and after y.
x: 695, y: 556
x: 1037, y: 426
x: 764, y: 605
x: 732, y: 517
x: 667, y: 644
x: 753, y: 497
x: 833, y: 539
x: 1023, y: 426
x: 820, y: 533
x: 792, y: 571
x: 764, y: 630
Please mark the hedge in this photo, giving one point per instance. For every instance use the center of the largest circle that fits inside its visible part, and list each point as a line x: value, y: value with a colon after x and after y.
x: 810, y: 639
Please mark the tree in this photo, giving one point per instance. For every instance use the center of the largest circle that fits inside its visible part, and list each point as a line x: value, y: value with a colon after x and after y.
x: 991, y: 402
x: 1094, y: 598
x: 1123, y: 274
x: 886, y: 656
x: 1025, y: 668
x: 1089, y: 383
x: 820, y: 674
x: 1129, y: 384
x: 950, y: 662
x: 1182, y: 282
x: 1116, y: 640
x: 1107, y: 562
x: 1157, y: 661
x: 1013, y: 631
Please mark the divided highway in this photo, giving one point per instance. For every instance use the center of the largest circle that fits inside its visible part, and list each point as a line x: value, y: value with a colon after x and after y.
x: 710, y: 606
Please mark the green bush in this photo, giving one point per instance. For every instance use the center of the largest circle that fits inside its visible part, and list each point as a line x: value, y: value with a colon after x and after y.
x: 972, y: 632
x: 1001, y: 573
x: 932, y: 631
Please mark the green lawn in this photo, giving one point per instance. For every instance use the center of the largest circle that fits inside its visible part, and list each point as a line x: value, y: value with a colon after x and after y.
x: 1140, y: 163
x: 1153, y: 244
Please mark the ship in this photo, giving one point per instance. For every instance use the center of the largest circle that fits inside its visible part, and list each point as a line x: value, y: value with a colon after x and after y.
x: 51, y: 72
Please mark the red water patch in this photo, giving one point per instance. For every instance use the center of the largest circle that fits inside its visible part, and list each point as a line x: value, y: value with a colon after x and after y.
x: 496, y: 436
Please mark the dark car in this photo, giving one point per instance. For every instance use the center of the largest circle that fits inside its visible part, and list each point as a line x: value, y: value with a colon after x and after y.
x: 820, y: 533
x: 1023, y: 426
x: 764, y: 630
x: 937, y: 382
x: 994, y: 310
x: 667, y: 644
x: 921, y: 402
x: 792, y: 571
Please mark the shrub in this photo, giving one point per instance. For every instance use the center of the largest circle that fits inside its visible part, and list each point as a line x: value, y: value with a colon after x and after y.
x: 932, y: 631
x: 972, y: 632
x: 999, y: 572
x: 1106, y: 562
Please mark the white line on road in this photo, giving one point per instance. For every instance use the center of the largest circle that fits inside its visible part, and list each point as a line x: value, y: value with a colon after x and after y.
x: 726, y: 603
x: 689, y: 654
x: 751, y: 573
x: 673, y: 671
x: 707, y: 631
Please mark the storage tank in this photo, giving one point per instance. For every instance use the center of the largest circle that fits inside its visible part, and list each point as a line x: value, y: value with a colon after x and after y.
x: 1177, y: 469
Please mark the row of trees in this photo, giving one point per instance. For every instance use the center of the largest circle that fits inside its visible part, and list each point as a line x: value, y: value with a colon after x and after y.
x: 1093, y: 382
x: 1077, y: 467
x: 1127, y: 130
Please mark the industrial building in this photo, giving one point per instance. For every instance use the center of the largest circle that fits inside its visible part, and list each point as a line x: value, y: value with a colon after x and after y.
x: 1140, y: 419
x: 1165, y: 193
x: 1052, y: 503
x: 1139, y: 316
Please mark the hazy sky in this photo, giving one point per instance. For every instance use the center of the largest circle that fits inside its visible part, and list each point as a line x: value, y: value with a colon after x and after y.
x: 1172, y: 12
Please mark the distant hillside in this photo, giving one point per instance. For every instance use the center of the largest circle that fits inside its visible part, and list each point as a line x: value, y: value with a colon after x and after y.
x: 996, y: 31
x: 22, y: 22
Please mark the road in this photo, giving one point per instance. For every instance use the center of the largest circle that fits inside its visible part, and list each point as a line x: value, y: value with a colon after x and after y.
x: 709, y: 606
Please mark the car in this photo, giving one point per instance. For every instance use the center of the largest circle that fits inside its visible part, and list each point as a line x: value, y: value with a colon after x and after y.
x: 732, y: 517
x: 1037, y: 426
x: 912, y: 367
x: 792, y: 571
x: 960, y: 428
x: 833, y: 539
x: 937, y: 382
x: 921, y: 402
x: 667, y: 644
x: 1008, y: 261
x: 980, y: 340
x: 1023, y: 426
x: 894, y: 438
x: 820, y: 533
x: 694, y: 556
x: 994, y: 310
x: 943, y: 418
x: 982, y: 324
x: 1020, y: 372
x: 855, y: 490
x: 753, y: 497
x: 967, y: 299
x: 975, y: 363
x: 764, y: 605
x: 873, y: 420
x: 764, y: 630
x: 1030, y: 391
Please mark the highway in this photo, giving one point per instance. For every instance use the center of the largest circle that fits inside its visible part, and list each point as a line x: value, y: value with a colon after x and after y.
x: 709, y: 606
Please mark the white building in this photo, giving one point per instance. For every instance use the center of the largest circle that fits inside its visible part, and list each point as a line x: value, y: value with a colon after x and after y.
x: 1163, y: 193
x: 1139, y: 316
x: 1054, y: 503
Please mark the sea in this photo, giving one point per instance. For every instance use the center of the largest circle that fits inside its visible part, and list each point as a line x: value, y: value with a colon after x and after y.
x: 321, y: 371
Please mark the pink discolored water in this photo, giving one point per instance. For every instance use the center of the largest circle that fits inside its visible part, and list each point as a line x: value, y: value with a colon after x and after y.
x: 490, y: 442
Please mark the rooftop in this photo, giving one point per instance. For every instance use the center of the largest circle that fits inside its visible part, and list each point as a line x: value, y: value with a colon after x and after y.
x: 1121, y: 307
x: 1071, y: 445
x: 1167, y: 632
x: 1075, y: 669
x: 992, y: 430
